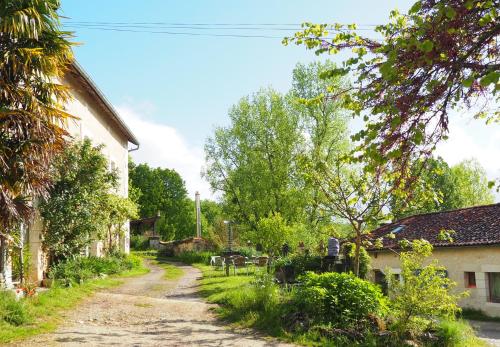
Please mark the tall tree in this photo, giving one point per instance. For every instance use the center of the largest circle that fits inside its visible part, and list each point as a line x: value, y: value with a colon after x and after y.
x: 260, y: 162
x: 323, y: 121
x: 164, y: 191
x: 441, y: 187
x: 252, y: 160
x: 470, y: 185
x: 35, y: 54
x: 442, y: 55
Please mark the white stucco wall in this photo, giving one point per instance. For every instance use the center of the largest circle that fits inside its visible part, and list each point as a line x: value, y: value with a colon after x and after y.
x: 457, y: 261
x: 93, y: 123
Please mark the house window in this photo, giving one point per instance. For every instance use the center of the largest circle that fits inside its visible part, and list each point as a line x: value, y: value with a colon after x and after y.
x: 494, y: 285
x: 470, y: 280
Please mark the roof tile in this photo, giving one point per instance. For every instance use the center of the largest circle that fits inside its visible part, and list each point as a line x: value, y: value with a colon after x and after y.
x: 479, y: 225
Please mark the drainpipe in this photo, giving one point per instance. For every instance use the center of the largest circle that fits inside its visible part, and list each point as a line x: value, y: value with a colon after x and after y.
x: 134, y: 149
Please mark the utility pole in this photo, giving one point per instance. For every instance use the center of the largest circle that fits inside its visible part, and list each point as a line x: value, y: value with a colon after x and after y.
x: 198, y: 214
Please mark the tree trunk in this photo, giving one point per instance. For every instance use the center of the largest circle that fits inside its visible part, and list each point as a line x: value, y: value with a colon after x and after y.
x: 21, y: 253
x: 356, y: 252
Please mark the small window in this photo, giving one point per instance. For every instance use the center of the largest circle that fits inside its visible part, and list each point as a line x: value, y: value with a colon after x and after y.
x: 470, y: 280
x: 398, y: 229
x: 494, y: 286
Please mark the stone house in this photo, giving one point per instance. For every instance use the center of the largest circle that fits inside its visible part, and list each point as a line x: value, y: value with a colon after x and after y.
x: 472, y: 260
x: 98, y: 121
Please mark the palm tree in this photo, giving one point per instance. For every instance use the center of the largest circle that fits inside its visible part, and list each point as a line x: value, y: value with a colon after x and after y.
x: 34, y: 54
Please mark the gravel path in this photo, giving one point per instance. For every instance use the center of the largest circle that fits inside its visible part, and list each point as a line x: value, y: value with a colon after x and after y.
x: 488, y: 331
x: 148, y: 311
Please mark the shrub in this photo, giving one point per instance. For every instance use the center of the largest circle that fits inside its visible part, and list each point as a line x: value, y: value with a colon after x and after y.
x: 299, y: 264
x: 424, y: 297
x: 247, y: 251
x: 364, y: 258
x: 340, y: 299
x: 139, y: 243
x: 12, y: 311
x: 81, y: 269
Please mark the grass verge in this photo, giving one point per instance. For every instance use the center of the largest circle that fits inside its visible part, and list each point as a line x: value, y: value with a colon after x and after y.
x: 240, y: 304
x: 45, y: 310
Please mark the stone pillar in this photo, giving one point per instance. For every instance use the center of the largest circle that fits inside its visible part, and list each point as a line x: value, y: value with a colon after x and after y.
x: 37, y: 259
x: 5, y: 265
x: 96, y: 249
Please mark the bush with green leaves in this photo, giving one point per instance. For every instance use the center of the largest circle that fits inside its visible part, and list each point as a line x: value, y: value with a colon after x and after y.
x: 271, y: 232
x: 75, y: 213
x: 81, y: 269
x: 139, y: 242
x: 349, y: 250
x: 300, y: 263
x: 12, y: 311
x: 339, y: 299
x: 424, y: 297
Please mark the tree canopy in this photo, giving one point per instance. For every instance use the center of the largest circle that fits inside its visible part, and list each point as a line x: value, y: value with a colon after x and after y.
x: 163, y: 190
x: 441, y: 55
x: 260, y: 161
x: 441, y: 187
x: 251, y: 161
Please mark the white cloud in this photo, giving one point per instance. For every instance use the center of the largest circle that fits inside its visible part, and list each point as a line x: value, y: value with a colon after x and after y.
x: 162, y: 146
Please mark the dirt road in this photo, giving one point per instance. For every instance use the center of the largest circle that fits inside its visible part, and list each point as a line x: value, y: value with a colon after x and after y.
x: 148, y: 311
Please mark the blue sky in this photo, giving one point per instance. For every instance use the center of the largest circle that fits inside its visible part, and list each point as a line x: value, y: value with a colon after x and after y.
x: 174, y: 89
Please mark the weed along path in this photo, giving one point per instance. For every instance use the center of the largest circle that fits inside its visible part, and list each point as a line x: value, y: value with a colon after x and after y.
x: 160, y: 308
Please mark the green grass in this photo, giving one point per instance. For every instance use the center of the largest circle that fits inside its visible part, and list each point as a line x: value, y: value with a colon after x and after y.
x: 458, y: 334
x: 172, y: 272
x: 216, y: 287
x: 240, y: 303
x: 45, y: 310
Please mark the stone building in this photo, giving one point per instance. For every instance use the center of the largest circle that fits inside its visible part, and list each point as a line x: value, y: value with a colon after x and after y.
x: 472, y: 260
x: 98, y: 121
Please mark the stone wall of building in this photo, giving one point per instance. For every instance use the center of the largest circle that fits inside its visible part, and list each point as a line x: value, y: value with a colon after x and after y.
x: 457, y: 261
x: 92, y: 123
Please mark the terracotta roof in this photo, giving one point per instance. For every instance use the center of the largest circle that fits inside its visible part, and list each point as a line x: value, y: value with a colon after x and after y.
x: 76, y: 70
x: 479, y: 225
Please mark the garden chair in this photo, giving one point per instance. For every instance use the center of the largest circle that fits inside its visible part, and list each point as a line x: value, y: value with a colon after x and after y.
x: 217, y: 262
x: 239, y: 262
x: 261, y: 262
